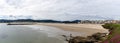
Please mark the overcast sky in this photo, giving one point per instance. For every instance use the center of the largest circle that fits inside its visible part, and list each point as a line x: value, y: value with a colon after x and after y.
x: 60, y: 9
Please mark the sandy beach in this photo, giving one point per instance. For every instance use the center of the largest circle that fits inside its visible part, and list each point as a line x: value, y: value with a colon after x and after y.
x: 88, y: 29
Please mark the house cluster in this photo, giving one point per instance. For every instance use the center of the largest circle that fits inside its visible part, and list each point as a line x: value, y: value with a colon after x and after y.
x: 98, y: 21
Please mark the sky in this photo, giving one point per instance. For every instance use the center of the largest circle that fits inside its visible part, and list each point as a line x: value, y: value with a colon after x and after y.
x: 61, y: 9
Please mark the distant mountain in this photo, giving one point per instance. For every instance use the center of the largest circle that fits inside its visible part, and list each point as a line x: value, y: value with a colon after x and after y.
x: 71, y: 17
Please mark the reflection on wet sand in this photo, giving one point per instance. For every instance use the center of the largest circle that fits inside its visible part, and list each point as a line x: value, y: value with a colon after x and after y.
x: 22, y: 34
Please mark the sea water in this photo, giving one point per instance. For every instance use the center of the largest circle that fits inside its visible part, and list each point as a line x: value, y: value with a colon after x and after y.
x: 24, y: 34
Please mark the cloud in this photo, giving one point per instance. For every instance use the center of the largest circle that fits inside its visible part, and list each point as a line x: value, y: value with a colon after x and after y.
x: 60, y: 9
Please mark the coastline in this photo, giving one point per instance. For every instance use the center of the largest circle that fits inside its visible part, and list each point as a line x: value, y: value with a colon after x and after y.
x: 87, y: 29
x: 57, y: 30
x: 75, y: 29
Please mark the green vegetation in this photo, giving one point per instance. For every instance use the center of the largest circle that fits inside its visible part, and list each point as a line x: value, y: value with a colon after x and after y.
x: 114, y: 35
x: 95, y: 38
x: 111, y: 26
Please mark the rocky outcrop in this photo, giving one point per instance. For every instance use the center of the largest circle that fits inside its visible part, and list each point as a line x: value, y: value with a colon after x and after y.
x: 95, y: 38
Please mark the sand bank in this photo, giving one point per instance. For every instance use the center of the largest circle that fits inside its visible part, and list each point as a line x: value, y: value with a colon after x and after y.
x: 88, y: 29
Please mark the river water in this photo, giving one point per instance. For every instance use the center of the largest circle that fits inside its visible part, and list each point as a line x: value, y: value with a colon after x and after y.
x: 26, y: 34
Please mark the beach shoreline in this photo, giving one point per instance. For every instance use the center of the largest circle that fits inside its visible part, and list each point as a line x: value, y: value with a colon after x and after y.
x: 75, y: 29
x: 88, y: 29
